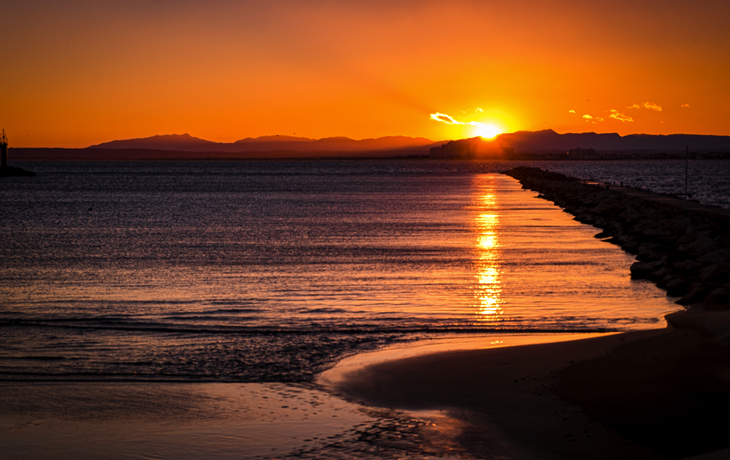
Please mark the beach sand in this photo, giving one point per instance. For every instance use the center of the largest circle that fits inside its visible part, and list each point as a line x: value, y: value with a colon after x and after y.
x: 132, y: 420
x: 661, y: 393
x: 83, y: 420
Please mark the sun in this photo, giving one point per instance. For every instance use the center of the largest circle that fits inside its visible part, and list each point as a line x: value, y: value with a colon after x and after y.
x: 486, y: 130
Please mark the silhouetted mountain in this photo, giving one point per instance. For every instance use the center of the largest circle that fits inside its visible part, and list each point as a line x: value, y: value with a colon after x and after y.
x: 548, y: 141
x: 275, y: 138
x: 187, y: 143
x: 178, y: 142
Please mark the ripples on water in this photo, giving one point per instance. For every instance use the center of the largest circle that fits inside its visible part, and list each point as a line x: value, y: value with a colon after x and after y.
x: 272, y: 271
x: 708, y: 181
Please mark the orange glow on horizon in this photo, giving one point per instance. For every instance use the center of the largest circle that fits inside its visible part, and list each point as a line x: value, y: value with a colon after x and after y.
x: 227, y: 70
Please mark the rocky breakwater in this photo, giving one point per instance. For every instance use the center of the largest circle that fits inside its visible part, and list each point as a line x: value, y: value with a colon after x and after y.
x: 682, y: 246
x: 14, y: 171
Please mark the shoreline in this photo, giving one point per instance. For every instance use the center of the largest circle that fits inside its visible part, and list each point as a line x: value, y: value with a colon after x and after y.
x: 648, y: 394
x: 680, y: 245
x: 645, y: 394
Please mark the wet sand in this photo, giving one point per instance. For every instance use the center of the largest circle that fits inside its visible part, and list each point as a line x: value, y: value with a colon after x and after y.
x: 194, y: 421
x: 661, y: 393
x: 129, y: 420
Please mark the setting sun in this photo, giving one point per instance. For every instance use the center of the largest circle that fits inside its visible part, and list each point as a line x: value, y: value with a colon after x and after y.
x: 486, y: 130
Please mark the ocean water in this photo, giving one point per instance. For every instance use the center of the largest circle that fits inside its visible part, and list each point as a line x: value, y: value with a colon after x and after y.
x: 707, y: 181
x: 274, y: 271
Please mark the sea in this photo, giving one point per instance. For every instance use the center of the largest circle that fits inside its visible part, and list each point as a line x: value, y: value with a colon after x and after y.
x: 261, y: 271
x: 272, y: 272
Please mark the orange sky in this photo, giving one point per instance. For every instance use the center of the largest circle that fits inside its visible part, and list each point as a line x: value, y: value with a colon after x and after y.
x: 77, y: 73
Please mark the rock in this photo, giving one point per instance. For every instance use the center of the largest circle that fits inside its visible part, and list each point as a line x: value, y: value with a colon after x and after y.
x: 696, y: 294
x: 680, y: 226
x: 678, y: 287
x: 716, y: 273
x: 649, y: 252
x: 657, y: 232
x: 691, y: 236
x: 715, y: 257
x: 703, y: 245
x: 689, y: 266
x: 641, y: 270
x: 658, y: 276
x: 631, y: 245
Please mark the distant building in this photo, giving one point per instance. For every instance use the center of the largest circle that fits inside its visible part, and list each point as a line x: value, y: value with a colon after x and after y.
x: 461, y: 149
x: 467, y: 149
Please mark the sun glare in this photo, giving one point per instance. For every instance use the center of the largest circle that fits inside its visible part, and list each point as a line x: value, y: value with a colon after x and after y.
x: 487, y: 130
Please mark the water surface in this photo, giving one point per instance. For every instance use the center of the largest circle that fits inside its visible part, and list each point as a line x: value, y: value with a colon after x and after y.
x: 273, y: 271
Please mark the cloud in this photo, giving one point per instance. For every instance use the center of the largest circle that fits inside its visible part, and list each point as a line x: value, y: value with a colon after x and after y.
x: 684, y: 105
x: 646, y: 105
x: 571, y: 111
x: 479, y: 109
x: 443, y: 118
x: 616, y: 115
x: 591, y: 119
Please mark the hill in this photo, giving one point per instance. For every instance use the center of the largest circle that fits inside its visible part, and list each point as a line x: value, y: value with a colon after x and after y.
x: 523, y: 144
x: 188, y: 143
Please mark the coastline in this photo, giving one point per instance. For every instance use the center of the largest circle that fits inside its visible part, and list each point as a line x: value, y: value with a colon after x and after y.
x: 660, y: 393
x: 644, y: 394
x: 650, y: 394
x: 592, y: 399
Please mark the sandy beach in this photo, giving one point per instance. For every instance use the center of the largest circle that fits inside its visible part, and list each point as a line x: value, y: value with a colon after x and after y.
x: 661, y: 393
x: 652, y: 394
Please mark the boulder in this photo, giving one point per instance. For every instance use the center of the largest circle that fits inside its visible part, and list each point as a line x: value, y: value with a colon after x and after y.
x: 689, y: 267
x: 715, y: 273
x: 703, y: 245
x: 696, y: 294
x: 678, y: 286
x: 715, y: 257
x: 641, y: 270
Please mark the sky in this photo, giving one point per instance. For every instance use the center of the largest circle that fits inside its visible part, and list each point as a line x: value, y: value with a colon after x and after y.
x: 76, y: 73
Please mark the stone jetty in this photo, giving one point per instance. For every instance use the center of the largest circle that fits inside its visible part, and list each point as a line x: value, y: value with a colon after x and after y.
x: 14, y: 171
x: 681, y: 245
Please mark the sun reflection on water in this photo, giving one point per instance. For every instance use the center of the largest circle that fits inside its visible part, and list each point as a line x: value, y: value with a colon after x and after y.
x: 488, y: 289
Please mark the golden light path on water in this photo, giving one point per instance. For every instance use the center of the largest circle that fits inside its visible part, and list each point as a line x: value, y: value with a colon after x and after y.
x: 534, y: 265
x: 488, y: 289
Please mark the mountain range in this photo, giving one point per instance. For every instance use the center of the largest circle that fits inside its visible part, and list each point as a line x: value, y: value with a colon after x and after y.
x: 521, y: 141
x: 187, y: 147
x: 550, y: 141
x: 188, y: 143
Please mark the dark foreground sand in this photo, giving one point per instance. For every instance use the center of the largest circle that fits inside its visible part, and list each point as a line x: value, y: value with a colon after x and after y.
x: 651, y: 394
x: 661, y: 393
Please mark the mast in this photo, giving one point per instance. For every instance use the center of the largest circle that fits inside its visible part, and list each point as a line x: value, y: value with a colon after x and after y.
x: 3, y: 150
